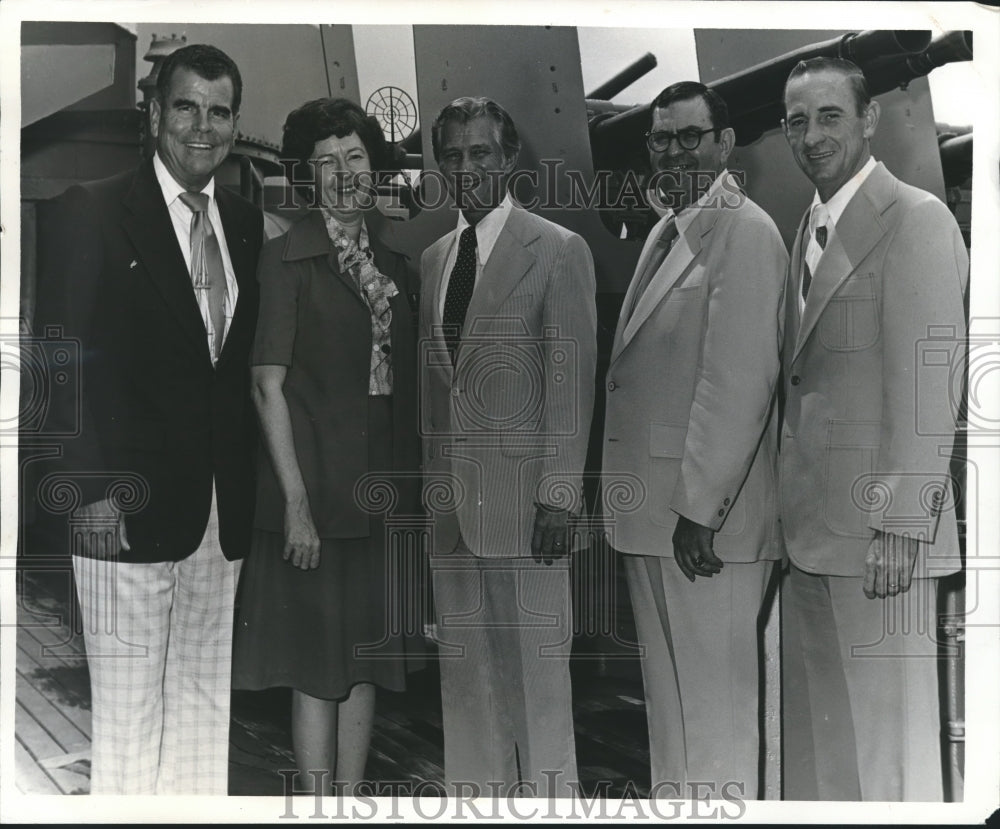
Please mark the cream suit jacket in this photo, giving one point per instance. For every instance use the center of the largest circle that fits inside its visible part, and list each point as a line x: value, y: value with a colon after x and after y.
x: 873, y: 372
x: 689, y: 428
x: 508, y: 426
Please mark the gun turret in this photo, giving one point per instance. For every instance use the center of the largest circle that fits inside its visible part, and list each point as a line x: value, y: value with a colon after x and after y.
x: 755, y: 95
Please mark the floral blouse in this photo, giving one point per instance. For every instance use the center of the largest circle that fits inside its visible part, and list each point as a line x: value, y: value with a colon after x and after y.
x: 377, y: 289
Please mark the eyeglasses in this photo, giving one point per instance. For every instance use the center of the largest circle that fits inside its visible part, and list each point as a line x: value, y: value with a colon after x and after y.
x: 688, y: 139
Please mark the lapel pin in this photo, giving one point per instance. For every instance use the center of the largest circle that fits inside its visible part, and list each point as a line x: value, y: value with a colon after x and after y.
x: 132, y: 264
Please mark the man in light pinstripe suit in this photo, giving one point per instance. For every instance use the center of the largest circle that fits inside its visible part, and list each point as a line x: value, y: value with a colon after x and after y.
x: 508, y: 351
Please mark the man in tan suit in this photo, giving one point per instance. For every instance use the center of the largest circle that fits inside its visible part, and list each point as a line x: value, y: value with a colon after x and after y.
x: 874, y: 321
x: 507, y: 355
x: 690, y: 396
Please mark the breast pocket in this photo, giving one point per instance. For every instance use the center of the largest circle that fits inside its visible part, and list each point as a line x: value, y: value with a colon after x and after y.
x: 515, y: 317
x: 850, y: 322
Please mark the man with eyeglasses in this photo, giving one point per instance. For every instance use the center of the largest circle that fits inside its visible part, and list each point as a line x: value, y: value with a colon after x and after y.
x: 879, y: 269
x: 690, y: 394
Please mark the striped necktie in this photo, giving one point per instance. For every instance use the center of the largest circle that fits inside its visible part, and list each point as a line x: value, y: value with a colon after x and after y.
x: 207, y: 271
x: 818, y: 220
x: 657, y: 256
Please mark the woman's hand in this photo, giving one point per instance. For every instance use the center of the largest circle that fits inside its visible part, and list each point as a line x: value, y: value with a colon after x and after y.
x: 301, y: 540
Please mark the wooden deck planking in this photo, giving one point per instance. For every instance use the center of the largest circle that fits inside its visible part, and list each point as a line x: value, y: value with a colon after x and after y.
x: 33, y: 736
x: 53, y: 725
x: 67, y: 716
x: 29, y: 777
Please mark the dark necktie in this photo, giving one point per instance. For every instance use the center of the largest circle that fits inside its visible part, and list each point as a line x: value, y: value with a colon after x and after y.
x: 208, y: 274
x: 660, y: 250
x: 819, y: 219
x: 460, y: 286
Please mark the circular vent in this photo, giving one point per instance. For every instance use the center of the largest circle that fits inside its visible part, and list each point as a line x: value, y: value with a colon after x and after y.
x: 395, y: 111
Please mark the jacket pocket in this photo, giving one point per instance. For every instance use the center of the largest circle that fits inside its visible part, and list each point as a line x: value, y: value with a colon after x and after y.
x: 850, y: 496
x: 666, y: 448
x: 850, y: 321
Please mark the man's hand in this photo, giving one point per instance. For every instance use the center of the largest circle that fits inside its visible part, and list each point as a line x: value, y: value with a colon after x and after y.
x: 889, y: 564
x: 101, y: 529
x: 301, y: 538
x: 550, y: 538
x: 693, y: 549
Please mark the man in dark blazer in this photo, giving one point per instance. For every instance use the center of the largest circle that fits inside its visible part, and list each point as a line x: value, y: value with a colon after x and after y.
x: 874, y: 338
x: 507, y: 356
x: 153, y: 272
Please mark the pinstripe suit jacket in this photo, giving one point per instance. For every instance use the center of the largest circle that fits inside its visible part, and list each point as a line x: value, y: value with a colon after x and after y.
x: 508, y: 425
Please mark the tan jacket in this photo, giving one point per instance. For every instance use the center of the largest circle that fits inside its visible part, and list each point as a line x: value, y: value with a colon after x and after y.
x: 689, y: 428
x: 873, y: 375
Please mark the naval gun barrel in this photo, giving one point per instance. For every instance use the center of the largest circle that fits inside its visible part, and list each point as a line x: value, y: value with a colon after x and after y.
x: 951, y: 47
x: 629, y: 75
x: 956, y: 159
x: 755, y: 95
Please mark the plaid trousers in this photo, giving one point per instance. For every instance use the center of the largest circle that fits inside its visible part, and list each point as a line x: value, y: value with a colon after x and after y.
x: 159, y: 649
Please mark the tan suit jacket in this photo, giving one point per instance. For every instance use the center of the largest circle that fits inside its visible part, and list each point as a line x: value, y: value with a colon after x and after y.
x: 508, y: 426
x: 873, y: 376
x: 690, y: 390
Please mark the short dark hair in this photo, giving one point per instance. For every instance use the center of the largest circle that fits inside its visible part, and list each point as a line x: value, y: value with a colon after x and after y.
x: 849, y: 69
x: 463, y: 110
x: 208, y: 62
x: 687, y: 90
x: 321, y: 118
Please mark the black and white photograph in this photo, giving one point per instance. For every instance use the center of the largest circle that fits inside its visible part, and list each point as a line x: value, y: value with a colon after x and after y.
x: 433, y: 412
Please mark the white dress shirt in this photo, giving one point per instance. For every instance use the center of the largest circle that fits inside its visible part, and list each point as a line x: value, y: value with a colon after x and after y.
x: 487, y: 233
x: 180, y: 217
x: 835, y: 208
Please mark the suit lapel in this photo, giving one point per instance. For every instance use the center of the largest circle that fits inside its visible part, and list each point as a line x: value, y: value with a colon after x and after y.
x: 508, y: 263
x: 858, y: 231
x: 648, y: 248
x: 242, y: 258
x: 147, y: 224
x: 688, y: 245
x: 793, y: 288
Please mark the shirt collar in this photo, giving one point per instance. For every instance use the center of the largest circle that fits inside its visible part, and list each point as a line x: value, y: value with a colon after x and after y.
x: 169, y: 185
x: 839, y: 200
x: 708, y: 198
x: 488, y: 229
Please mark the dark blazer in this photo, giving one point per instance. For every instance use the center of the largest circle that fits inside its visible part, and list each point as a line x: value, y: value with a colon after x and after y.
x: 152, y: 410
x: 314, y: 320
